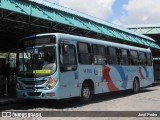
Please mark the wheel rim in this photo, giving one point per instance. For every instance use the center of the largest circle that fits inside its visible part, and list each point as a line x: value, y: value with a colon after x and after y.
x: 86, y: 92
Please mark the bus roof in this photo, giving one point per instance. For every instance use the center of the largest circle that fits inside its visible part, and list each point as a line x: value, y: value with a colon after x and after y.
x: 94, y: 41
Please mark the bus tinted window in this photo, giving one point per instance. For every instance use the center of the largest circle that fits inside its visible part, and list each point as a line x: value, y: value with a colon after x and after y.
x: 134, y: 57
x: 149, y: 61
x: 124, y: 58
x: 84, y: 53
x: 68, y: 55
x: 99, y: 56
x: 113, y: 55
x: 142, y: 58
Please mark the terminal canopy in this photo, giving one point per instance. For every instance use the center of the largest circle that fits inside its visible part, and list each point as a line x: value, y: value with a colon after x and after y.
x: 21, y: 18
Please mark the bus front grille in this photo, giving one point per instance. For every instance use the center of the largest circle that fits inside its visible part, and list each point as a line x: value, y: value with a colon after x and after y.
x: 34, y: 88
x: 38, y: 82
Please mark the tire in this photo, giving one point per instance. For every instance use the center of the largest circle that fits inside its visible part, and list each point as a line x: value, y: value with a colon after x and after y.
x: 86, y: 93
x: 136, y: 86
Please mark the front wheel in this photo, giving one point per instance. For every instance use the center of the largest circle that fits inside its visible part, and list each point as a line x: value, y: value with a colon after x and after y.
x: 136, y: 86
x: 86, y: 93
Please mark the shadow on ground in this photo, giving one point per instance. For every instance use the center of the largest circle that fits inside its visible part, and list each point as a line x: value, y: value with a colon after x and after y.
x: 67, y: 103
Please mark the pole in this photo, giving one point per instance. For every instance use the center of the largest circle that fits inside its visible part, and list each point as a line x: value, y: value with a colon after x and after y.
x: 6, y: 94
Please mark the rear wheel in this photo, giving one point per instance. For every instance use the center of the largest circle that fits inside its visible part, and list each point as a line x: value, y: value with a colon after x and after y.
x: 86, y: 93
x: 136, y: 86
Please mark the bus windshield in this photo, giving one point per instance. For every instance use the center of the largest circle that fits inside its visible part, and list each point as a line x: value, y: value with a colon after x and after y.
x: 37, y: 61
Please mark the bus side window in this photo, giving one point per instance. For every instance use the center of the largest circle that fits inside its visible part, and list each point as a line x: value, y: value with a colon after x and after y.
x: 142, y: 58
x: 112, y: 55
x: 99, y: 55
x: 149, y: 59
x: 84, y: 53
x: 106, y: 49
x: 134, y: 57
x: 67, y: 57
x: 124, y: 57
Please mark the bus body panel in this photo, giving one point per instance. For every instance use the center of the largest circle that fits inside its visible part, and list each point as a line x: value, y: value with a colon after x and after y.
x: 116, y: 78
x: 106, y: 78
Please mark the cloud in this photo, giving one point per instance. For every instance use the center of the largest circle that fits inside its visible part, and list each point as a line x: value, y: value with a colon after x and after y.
x: 142, y: 11
x: 117, y: 22
x: 98, y: 8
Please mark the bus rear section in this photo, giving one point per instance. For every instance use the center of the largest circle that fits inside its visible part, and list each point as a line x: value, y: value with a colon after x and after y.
x: 109, y: 67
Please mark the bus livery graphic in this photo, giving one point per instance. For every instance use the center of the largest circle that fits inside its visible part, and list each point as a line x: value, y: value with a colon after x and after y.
x: 146, y: 71
x: 124, y: 77
x: 141, y: 74
x: 107, y: 78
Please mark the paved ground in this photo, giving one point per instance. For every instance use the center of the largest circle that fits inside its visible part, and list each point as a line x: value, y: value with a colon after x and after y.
x: 147, y: 100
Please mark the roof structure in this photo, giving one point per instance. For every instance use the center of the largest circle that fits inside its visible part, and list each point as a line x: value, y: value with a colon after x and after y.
x: 19, y: 18
x: 146, y: 29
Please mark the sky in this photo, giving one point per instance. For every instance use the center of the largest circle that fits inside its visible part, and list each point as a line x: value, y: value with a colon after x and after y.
x: 121, y: 12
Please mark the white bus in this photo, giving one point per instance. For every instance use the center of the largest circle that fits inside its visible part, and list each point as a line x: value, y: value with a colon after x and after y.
x: 58, y: 66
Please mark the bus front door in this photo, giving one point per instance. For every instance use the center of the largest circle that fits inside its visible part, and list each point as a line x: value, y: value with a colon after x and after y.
x: 68, y: 71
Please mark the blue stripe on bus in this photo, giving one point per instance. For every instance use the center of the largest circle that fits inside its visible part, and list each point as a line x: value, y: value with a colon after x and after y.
x: 123, y: 76
x: 147, y: 73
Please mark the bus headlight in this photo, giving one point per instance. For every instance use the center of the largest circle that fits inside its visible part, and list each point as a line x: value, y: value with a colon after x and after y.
x: 51, y: 83
x: 19, y: 86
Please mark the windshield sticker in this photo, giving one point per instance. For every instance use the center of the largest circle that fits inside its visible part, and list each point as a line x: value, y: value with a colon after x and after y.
x: 41, y: 71
x: 35, y: 51
x: 98, y: 71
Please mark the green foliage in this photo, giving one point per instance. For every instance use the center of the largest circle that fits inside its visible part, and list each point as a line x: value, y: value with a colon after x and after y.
x: 6, y: 54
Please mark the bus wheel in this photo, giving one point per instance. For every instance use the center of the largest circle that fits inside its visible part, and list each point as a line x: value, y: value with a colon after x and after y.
x: 136, y: 86
x: 86, y: 93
